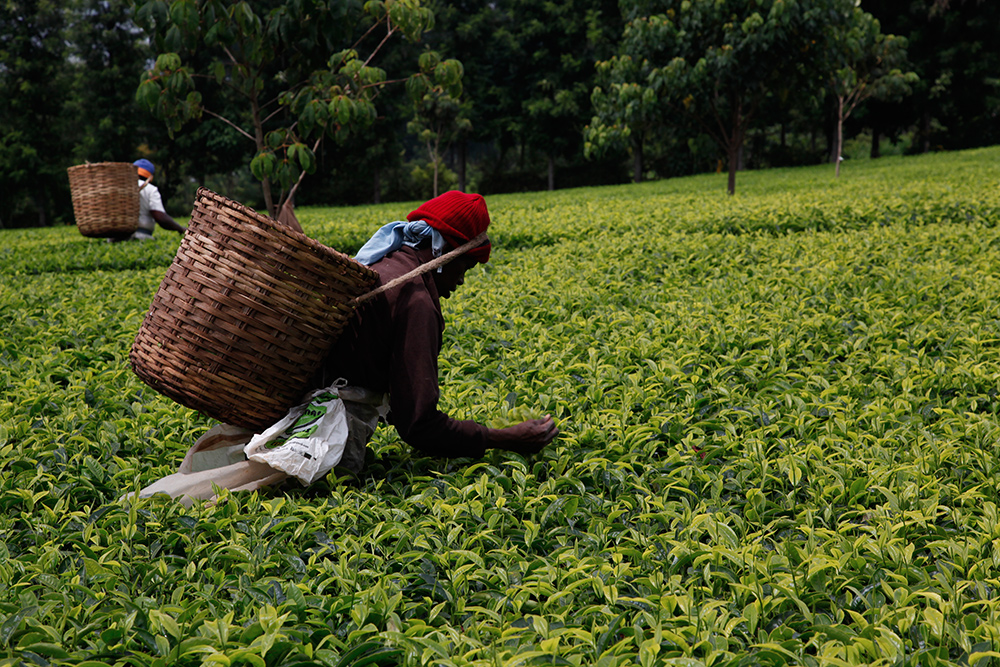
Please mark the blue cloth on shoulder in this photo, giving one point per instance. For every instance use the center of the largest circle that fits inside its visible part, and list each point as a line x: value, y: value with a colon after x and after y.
x: 394, y: 235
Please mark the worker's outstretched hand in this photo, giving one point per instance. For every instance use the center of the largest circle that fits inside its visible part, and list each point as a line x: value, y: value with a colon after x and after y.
x: 528, y: 437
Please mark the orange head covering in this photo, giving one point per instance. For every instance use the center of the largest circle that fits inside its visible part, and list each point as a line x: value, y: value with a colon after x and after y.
x: 144, y: 167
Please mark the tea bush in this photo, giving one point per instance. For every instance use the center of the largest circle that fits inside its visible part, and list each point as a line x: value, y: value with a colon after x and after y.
x: 779, y: 446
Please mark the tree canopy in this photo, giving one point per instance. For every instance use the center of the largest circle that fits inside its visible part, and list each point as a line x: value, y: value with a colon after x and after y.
x: 582, y: 92
x: 715, y: 62
x: 283, y: 91
x: 864, y: 64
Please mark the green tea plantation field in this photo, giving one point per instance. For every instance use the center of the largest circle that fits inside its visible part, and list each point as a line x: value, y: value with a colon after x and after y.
x: 780, y: 445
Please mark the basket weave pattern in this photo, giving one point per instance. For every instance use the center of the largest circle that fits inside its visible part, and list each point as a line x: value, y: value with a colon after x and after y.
x: 244, y: 315
x: 105, y: 198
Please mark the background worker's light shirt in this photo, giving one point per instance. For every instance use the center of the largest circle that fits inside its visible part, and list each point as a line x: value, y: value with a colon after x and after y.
x: 149, y: 200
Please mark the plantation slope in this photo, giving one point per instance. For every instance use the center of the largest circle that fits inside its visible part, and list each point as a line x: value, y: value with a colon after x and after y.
x: 780, y: 446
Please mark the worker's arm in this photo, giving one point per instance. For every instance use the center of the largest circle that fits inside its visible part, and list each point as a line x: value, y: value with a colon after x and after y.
x: 528, y: 437
x: 164, y: 220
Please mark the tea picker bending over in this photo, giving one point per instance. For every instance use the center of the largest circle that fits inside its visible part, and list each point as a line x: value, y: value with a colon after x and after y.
x: 392, y: 344
x: 383, y: 365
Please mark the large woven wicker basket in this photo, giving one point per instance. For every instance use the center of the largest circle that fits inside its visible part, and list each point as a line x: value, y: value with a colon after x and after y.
x: 245, y: 314
x: 105, y: 198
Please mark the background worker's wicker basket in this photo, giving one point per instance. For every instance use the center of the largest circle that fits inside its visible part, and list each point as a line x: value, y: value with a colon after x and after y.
x: 245, y: 314
x: 105, y: 198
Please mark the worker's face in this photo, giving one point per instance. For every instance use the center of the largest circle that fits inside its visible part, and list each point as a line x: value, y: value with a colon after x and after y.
x: 452, y: 275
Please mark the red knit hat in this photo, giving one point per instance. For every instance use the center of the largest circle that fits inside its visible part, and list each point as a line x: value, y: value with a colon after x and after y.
x: 460, y: 217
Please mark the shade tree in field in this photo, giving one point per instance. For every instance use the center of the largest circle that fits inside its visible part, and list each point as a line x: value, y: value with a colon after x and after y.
x: 865, y: 64
x: 438, y: 114
x: 717, y: 62
x: 558, y: 44
x: 626, y: 110
x: 478, y: 35
x: 529, y: 70
x: 281, y: 87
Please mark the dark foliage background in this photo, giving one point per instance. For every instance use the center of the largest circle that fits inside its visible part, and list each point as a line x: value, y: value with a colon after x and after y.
x: 69, y: 72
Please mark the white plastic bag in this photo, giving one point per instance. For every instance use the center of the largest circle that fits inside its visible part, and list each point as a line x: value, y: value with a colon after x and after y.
x: 307, y: 442
x: 215, y: 461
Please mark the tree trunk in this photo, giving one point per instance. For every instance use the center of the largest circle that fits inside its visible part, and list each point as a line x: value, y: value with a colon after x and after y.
x: 258, y: 133
x: 637, y: 158
x: 840, y: 135
x: 875, y: 152
x: 40, y: 205
x: 830, y: 130
x: 734, y: 157
x: 287, y: 217
x: 377, y: 186
x: 552, y: 173
x: 734, y: 148
x: 925, y: 130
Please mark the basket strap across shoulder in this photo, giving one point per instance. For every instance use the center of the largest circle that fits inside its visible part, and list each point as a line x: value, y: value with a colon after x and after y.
x: 422, y: 269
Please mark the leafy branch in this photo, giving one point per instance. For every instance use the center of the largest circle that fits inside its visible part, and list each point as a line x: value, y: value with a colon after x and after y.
x: 260, y: 55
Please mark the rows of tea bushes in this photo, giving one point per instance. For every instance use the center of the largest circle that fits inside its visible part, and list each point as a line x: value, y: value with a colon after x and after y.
x: 779, y: 446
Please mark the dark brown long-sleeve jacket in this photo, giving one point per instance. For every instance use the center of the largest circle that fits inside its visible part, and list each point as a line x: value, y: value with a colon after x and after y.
x: 392, y: 345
